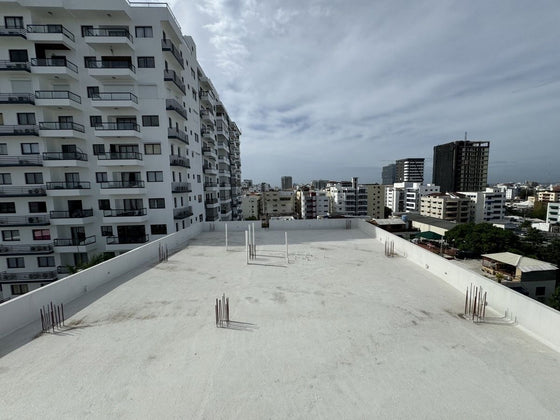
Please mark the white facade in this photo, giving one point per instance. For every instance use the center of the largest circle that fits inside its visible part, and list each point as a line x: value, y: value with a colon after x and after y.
x: 250, y: 206
x: 312, y: 204
x: 277, y: 203
x: 405, y: 196
x: 489, y: 205
x: 552, y: 213
x: 347, y: 198
x: 100, y: 148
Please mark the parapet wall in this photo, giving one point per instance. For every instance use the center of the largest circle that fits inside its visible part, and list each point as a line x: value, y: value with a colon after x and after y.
x: 534, y: 317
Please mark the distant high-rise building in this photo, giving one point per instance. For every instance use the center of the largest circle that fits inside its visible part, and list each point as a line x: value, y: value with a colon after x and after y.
x: 410, y: 170
x: 461, y: 166
x: 389, y: 174
x: 286, y: 183
x: 319, y: 184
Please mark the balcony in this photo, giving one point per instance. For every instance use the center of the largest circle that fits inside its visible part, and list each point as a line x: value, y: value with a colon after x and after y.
x: 212, y: 202
x: 181, y: 187
x: 29, y: 277
x: 207, y: 115
x: 117, y: 129
x: 182, y: 213
x: 107, y: 36
x: 61, y: 129
x: 123, y: 187
x: 175, y: 160
x: 13, y: 31
x: 173, y: 105
x: 25, y: 249
x: 74, y: 217
x: 167, y: 45
x: 223, y: 146
x: 19, y: 130
x: 225, y: 173
x: 58, y: 98
x: 177, y: 133
x: 65, y: 159
x: 17, y: 98
x: 14, y: 66
x: 208, y: 136
x: 65, y: 189
x: 123, y: 243
x: 27, y: 160
x: 211, y: 186
x: 56, y: 67
x: 120, y: 159
x: 75, y: 244
x: 224, y: 159
x: 210, y: 152
x: 171, y: 76
x: 106, y: 70
x: 29, y: 191
x: 24, y: 221
x: 207, y: 97
x: 114, y: 100
x: 209, y: 170
x: 125, y: 215
x: 51, y: 33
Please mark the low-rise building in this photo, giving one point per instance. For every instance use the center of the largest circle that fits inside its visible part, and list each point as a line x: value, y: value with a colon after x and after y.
x: 447, y: 206
x: 548, y: 195
x: 311, y: 204
x: 277, y: 203
x: 405, y: 196
x: 347, y: 198
x: 489, y: 205
x: 375, y: 200
x: 250, y: 206
x: 552, y: 213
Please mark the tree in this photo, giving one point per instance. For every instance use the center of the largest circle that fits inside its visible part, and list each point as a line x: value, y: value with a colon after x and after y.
x: 387, y: 212
x: 481, y: 238
x: 554, y: 301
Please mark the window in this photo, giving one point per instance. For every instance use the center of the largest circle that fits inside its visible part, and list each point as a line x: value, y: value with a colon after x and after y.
x: 93, y: 91
x: 152, y: 149
x: 5, y: 179
x: 41, y: 234
x: 18, y: 56
x: 26, y: 118
x: 198, y: 179
x: 156, y: 203
x: 98, y: 149
x: 95, y: 120
x: 199, y: 198
x: 19, y: 289
x: 45, y: 261
x: 146, y: 62
x: 37, y: 207
x: 104, y: 204
x: 196, y: 137
x: 7, y: 207
x: 33, y: 178
x: 13, y: 22
x: 15, y: 262
x: 540, y: 291
x: 106, y: 230
x: 3, y: 148
x: 150, y: 120
x: 29, y: 148
x: 144, y: 32
x: 10, y: 235
x: 158, y: 229
x: 154, y: 176
x: 90, y: 62
x: 101, y: 177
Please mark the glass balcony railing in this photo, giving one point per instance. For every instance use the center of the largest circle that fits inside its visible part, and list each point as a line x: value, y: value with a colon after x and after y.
x: 74, y: 214
x: 50, y: 29
x: 58, y: 94
x: 54, y: 62
x: 125, y: 212
x: 107, y: 32
x: 56, y: 125
x: 122, y: 184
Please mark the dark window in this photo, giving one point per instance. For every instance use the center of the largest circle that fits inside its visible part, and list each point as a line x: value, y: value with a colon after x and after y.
x: 34, y: 178
x: 7, y: 207
x: 154, y: 176
x: 37, y: 207
x: 146, y: 62
x: 5, y: 179
x: 158, y: 229
x: 98, y: 149
x: 16, y: 262
x: 150, y: 120
x: 3, y: 148
x: 156, y: 203
x: 41, y: 234
x: 89, y: 62
x: 152, y: 149
x: 26, y: 118
x: 144, y: 32
x: 104, y: 204
x: 92, y: 91
x: 106, y: 230
x: 10, y: 235
x: 95, y: 120
x: 18, y: 56
x: 101, y: 177
x: 45, y: 261
x: 29, y: 148
x: 19, y: 289
x: 540, y: 291
x: 13, y: 22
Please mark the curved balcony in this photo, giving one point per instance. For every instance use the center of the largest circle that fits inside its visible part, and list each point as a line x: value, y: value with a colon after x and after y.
x: 61, y: 129
x: 181, y: 187
x: 64, y: 189
x: 107, y: 36
x: 106, y: 70
x: 50, y: 33
x: 14, y: 66
x: 125, y: 215
x: 74, y: 217
x: 19, y: 130
x: 13, y: 31
x: 120, y: 159
x: 24, y: 221
x: 123, y: 187
x: 75, y: 244
x: 182, y: 213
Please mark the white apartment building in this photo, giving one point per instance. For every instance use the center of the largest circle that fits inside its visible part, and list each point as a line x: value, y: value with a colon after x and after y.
x: 405, y: 196
x: 100, y: 135
x: 277, y: 203
x: 553, y: 213
x: 489, y: 205
x: 552, y: 195
x: 250, y: 206
x: 312, y: 204
x: 447, y: 206
x: 347, y: 198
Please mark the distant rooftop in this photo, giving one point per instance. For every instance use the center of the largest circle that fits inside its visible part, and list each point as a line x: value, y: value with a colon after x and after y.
x: 524, y: 264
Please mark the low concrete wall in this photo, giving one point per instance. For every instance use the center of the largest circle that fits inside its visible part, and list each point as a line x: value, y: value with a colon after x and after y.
x: 534, y: 317
x: 233, y: 226
x: 23, y: 310
x: 312, y: 224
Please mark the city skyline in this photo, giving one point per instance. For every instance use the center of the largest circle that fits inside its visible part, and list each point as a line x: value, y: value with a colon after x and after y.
x: 321, y: 90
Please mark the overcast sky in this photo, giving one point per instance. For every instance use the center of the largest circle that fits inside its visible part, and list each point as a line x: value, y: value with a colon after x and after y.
x: 333, y: 89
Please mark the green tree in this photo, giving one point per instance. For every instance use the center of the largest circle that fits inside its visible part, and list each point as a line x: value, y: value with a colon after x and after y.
x: 554, y: 301
x: 481, y: 238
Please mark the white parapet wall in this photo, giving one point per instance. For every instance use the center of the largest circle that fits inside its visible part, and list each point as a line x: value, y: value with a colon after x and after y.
x: 23, y: 310
x: 537, y: 319
x: 312, y: 224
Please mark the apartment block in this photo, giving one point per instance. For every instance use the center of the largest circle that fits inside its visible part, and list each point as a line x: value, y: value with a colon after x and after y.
x: 489, y: 205
x: 311, y: 204
x: 375, y: 200
x: 277, y: 203
x: 286, y: 183
x: 553, y: 212
x: 100, y: 135
x: 389, y: 174
x: 250, y: 206
x: 347, y: 198
x: 409, y: 170
x: 405, y: 196
x: 548, y: 195
x: 447, y: 206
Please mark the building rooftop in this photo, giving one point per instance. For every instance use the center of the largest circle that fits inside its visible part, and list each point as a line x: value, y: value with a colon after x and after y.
x: 444, y: 224
x: 341, y: 331
x: 524, y: 264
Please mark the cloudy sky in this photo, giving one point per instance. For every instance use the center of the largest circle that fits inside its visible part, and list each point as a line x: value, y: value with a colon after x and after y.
x: 329, y: 89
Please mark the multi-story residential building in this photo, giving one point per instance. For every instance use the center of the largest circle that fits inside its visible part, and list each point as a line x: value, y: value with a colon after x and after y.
x: 375, y: 200
x: 389, y: 174
x: 286, y: 183
x: 319, y: 184
x: 511, y: 190
x: 250, y: 206
x: 405, y: 196
x: 409, y: 170
x: 311, y: 204
x: 553, y: 212
x: 489, y: 205
x: 347, y: 198
x: 549, y: 195
x: 100, y: 147
x: 447, y: 206
x: 461, y: 166
x: 277, y: 203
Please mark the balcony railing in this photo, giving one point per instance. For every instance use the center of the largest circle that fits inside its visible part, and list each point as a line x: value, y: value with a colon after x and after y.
x: 211, y: 201
x: 177, y: 133
x: 122, y: 184
x: 105, y: 64
x: 180, y: 187
x: 17, y: 98
x: 65, y: 156
x: 19, y: 130
x: 207, y: 113
x: 57, y: 94
x: 75, y: 185
x: 50, y: 29
x: 12, y: 31
x: 24, y: 220
x: 75, y: 241
x: 175, y: 160
x: 28, y: 160
x: 124, y: 212
x: 34, y: 191
x: 115, y: 96
x: 210, y: 184
x: 40, y: 276
x: 54, y: 62
x: 115, y: 240
x: 182, y: 213
x: 74, y: 214
x: 7, y: 65
x: 117, y: 126
x: 206, y: 94
x: 110, y: 32
x: 167, y: 45
x: 120, y: 156
x: 171, y: 76
x: 173, y: 105
x: 25, y: 249
x: 55, y: 125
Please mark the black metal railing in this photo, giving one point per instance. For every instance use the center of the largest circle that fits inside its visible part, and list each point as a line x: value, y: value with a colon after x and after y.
x: 210, y: 150
x: 180, y: 187
x: 65, y: 156
x: 74, y: 185
x: 12, y: 31
x: 207, y: 133
x: 54, y: 62
x: 207, y: 113
x: 56, y: 125
x: 177, y: 133
x: 206, y: 94
x: 120, y: 156
x: 116, y: 126
x: 105, y: 64
x: 28, y: 160
x: 75, y: 241
x: 17, y: 98
x: 57, y: 94
x: 171, y: 76
x: 50, y: 29
x: 175, y: 160
x: 182, y: 213
x: 173, y: 105
x: 8, y: 65
x: 125, y: 212
x: 24, y: 220
x: 74, y: 214
x: 210, y: 184
x: 19, y: 130
x: 109, y: 32
x: 40, y: 276
x: 10, y: 191
x: 114, y: 96
x: 25, y: 249
x: 167, y: 45
x: 115, y: 240
x: 211, y: 201
x: 122, y: 184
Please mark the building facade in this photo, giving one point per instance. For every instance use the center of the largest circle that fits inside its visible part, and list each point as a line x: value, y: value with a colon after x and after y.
x: 347, y: 198
x: 375, y: 200
x: 389, y: 174
x: 311, y: 204
x: 409, y: 170
x: 286, y: 183
x: 405, y: 196
x: 488, y: 205
x: 251, y: 206
x: 277, y: 203
x: 553, y: 212
x: 447, y: 206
